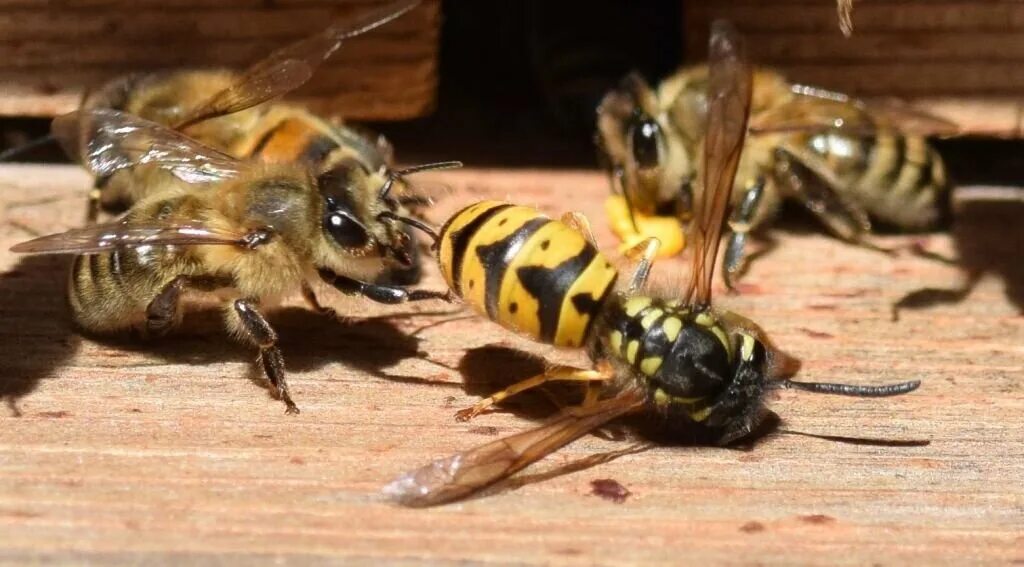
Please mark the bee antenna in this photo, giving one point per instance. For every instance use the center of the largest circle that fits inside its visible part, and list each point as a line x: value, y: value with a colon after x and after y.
x: 411, y: 222
x: 398, y: 174
x: 852, y: 390
x: 29, y: 145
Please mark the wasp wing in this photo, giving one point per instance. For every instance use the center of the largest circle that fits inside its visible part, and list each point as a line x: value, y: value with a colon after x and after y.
x: 729, y: 90
x: 107, y: 141
x: 290, y: 67
x: 106, y: 237
x: 462, y: 474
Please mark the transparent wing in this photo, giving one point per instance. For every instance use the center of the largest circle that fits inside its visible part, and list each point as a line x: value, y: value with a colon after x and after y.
x: 290, y: 67
x: 462, y: 474
x: 845, y: 10
x: 107, y: 141
x: 819, y: 110
x: 106, y: 237
x: 729, y: 89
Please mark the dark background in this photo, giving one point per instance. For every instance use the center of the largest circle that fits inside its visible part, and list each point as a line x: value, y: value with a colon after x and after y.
x: 519, y: 82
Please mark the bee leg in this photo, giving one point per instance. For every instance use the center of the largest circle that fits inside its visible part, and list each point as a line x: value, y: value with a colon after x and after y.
x: 556, y: 373
x: 740, y: 224
x: 381, y: 293
x: 256, y: 328
x: 646, y: 250
x: 310, y: 296
x: 821, y: 193
x: 163, y: 309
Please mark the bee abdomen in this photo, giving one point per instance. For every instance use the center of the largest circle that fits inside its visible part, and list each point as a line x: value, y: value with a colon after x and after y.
x: 904, y: 182
x: 531, y: 274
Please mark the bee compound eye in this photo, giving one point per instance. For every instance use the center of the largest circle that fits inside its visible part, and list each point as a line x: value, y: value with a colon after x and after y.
x: 345, y: 229
x: 645, y: 141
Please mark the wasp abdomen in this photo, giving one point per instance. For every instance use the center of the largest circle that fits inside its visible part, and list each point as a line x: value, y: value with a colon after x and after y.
x: 531, y: 274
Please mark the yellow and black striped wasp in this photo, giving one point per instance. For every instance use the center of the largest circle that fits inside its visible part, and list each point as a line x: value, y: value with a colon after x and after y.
x: 678, y: 358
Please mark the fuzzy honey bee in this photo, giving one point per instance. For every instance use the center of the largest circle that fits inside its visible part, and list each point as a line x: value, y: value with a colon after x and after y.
x: 249, y: 231
x: 845, y: 161
x: 678, y: 358
x: 232, y: 112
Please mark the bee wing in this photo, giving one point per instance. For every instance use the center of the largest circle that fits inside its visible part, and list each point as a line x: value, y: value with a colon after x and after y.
x: 290, y: 67
x: 107, y: 141
x: 459, y: 475
x: 820, y: 110
x: 107, y: 237
x: 729, y: 90
x: 845, y: 10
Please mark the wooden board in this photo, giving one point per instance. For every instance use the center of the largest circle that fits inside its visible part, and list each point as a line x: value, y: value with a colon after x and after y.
x: 48, y: 56
x: 117, y: 451
x: 969, y: 54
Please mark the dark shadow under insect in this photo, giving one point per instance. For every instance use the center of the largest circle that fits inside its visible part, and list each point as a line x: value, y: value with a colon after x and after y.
x: 988, y: 237
x: 40, y: 337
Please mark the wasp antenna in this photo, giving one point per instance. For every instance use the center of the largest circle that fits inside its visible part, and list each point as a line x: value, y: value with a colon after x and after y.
x: 29, y: 145
x: 852, y: 390
x: 411, y: 222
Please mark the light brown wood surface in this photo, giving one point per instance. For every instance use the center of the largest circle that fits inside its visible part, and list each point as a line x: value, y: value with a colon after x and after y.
x: 118, y: 451
x: 50, y: 55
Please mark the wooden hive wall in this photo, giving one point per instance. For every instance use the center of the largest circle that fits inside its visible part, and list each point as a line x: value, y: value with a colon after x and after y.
x: 50, y: 54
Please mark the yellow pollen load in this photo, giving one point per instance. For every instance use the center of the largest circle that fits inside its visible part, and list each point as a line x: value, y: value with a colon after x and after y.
x: 650, y: 365
x: 671, y: 326
x: 631, y: 349
x: 650, y: 318
x: 635, y: 305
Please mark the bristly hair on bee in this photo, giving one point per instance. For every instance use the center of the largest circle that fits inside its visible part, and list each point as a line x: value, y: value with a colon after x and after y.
x: 236, y: 112
x: 251, y: 231
x: 679, y: 358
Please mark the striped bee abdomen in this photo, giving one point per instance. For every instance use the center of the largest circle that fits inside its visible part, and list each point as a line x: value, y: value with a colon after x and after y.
x: 530, y: 274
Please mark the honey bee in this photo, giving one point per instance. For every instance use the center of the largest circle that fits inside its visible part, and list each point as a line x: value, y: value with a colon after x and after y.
x: 847, y: 162
x: 679, y: 358
x: 231, y: 111
x: 248, y: 230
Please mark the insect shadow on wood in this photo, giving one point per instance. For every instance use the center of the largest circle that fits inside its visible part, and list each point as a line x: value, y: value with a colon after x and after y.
x: 39, y: 336
x: 988, y: 237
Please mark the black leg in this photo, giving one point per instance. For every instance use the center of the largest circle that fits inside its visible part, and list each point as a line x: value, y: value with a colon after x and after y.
x: 381, y: 293
x: 740, y: 224
x: 259, y: 331
x: 162, y: 310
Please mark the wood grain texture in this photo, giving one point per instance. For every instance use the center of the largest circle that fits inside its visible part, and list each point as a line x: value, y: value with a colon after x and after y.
x: 904, y: 48
x: 50, y: 55
x: 118, y: 451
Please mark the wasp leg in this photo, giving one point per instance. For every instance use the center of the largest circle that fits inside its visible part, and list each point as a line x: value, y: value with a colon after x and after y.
x: 646, y: 250
x: 381, y: 293
x: 310, y: 296
x: 256, y: 328
x: 554, y: 374
x: 579, y: 223
x: 740, y: 223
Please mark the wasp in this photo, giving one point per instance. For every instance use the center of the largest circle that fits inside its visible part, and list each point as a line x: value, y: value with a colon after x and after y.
x: 845, y: 161
x: 249, y: 231
x: 679, y: 358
